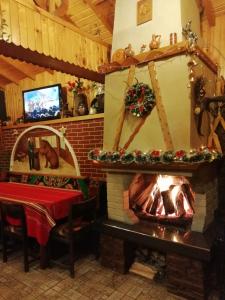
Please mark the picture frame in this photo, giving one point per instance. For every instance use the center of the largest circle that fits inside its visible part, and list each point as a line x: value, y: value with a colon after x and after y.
x: 144, y: 11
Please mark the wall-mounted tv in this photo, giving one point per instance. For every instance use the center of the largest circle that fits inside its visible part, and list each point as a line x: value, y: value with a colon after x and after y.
x: 42, y: 103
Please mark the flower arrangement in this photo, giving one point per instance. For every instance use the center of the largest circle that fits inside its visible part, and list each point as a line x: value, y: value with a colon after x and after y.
x: 76, y: 87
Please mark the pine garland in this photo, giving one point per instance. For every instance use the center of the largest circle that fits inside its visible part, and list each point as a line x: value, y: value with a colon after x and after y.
x: 203, y: 154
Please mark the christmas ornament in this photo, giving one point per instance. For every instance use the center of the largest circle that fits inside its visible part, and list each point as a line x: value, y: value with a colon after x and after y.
x: 140, y: 157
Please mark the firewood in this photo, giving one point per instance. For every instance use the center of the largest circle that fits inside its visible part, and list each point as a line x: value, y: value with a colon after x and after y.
x: 167, y: 202
x: 186, y: 189
x: 145, y: 193
x: 143, y: 270
x: 148, y: 203
x: 180, y: 211
x: 155, y: 203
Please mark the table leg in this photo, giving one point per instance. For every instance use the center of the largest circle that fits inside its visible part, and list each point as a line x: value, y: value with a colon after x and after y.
x: 43, y: 257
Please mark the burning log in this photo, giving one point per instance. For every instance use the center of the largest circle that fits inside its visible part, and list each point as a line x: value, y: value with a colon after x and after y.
x: 168, y: 202
x: 180, y: 210
x: 148, y: 204
x: 186, y: 189
x: 140, y: 189
x: 156, y: 200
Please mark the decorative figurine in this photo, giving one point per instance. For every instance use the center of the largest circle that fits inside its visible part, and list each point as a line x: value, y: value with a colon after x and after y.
x: 155, y: 42
x: 143, y: 47
x: 190, y: 36
x: 173, y: 38
x: 128, y: 51
x: 119, y: 56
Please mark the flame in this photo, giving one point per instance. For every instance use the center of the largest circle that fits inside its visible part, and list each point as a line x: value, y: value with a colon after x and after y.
x: 176, y: 195
x: 164, y: 182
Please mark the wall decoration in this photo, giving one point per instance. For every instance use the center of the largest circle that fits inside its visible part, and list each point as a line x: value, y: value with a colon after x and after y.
x: 80, y: 98
x: 44, y: 150
x: 144, y: 11
x: 119, y: 56
x: 173, y: 38
x: 155, y: 156
x: 129, y: 52
x: 140, y: 99
x: 190, y: 36
x: 155, y: 42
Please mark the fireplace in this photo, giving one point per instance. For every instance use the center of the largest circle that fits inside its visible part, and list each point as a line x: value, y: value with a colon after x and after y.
x: 185, y: 198
x: 181, y: 225
x: 162, y: 198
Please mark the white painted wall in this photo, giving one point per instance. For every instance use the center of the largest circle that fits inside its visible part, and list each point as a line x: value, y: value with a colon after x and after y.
x: 168, y: 17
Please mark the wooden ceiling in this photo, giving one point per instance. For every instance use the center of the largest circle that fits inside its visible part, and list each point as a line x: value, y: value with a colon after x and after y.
x: 94, y: 17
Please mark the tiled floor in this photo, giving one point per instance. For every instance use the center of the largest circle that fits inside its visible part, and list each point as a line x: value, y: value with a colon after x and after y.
x: 91, y: 281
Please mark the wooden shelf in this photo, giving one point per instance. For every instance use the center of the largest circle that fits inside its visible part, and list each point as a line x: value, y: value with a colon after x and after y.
x: 187, y: 169
x: 159, y: 54
x: 56, y: 121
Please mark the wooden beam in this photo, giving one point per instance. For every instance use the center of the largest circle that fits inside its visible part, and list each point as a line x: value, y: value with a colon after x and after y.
x: 2, y: 87
x: 18, y: 66
x: 9, y: 76
x: 101, y: 14
x: 209, y: 12
x: 18, y: 52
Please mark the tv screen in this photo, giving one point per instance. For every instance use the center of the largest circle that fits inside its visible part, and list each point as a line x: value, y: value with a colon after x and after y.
x: 42, y: 103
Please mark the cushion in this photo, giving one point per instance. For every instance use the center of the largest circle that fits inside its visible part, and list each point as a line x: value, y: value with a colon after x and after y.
x: 63, y: 229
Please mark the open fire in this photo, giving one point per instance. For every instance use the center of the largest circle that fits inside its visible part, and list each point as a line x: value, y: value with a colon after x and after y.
x: 161, y: 197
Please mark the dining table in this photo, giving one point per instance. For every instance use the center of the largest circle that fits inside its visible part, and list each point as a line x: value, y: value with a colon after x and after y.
x: 44, y: 206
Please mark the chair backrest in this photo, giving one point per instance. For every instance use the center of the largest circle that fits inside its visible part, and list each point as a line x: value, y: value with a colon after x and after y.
x: 15, y: 212
x: 85, y: 211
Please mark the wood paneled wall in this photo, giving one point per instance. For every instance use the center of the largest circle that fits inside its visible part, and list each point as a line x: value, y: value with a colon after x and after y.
x: 36, y: 29
x: 214, y: 41
x: 13, y: 92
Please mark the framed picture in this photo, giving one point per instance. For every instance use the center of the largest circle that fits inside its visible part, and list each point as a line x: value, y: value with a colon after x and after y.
x: 144, y: 11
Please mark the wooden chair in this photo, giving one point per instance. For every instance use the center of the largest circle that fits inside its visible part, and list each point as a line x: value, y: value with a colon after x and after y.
x: 14, y: 232
x: 80, y: 224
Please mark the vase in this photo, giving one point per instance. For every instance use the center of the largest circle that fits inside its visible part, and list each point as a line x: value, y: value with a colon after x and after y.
x: 81, y: 104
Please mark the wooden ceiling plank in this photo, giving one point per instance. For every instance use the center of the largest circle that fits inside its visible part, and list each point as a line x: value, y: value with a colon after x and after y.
x: 101, y: 14
x: 19, y: 66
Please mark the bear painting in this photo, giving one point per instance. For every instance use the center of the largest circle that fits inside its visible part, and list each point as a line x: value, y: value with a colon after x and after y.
x: 52, y: 159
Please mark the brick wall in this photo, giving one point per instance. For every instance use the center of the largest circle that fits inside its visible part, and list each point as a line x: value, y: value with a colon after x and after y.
x: 83, y: 136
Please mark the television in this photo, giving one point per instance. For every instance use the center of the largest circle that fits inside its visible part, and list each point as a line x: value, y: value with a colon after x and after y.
x: 43, y: 103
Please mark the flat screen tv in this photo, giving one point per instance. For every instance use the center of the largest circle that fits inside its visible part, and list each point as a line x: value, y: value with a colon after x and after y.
x: 42, y: 103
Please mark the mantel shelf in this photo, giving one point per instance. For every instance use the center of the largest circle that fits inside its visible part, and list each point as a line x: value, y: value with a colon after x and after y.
x: 49, y: 122
x: 159, y: 54
x: 187, y: 169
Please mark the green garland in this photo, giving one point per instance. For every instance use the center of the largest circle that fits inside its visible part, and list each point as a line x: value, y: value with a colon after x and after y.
x: 155, y: 156
x: 140, y: 99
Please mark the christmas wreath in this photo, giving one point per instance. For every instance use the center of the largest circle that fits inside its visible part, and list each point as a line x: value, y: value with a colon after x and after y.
x: 139, y: 99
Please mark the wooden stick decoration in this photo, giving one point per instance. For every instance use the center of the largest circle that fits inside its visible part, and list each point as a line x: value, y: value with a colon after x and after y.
x: 160, y: 108
x: 136, y: 130
x: 213, y: 137
x: 123, y: 111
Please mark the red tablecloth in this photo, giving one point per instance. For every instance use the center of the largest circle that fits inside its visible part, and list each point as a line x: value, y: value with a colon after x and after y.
x: 43, y: 205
